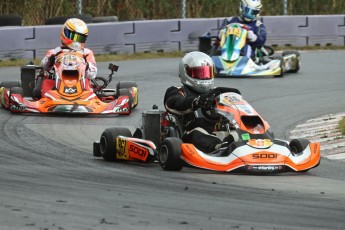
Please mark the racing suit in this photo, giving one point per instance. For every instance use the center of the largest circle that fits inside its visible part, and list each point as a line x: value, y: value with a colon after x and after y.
x: 44, y: 84
x: 256, y: 26
x: 197, y: 129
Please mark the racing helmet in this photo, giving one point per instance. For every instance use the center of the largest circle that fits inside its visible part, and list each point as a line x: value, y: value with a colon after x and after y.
x: 250, y: 9
x: 196, y: 71
x: 74, y: 33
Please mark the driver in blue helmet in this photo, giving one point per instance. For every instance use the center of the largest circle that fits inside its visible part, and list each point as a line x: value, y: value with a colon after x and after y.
x: 249, y: 12
x: 197, y: 78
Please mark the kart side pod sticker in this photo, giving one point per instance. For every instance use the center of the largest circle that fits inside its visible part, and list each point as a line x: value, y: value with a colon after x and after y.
x: 245, y: 136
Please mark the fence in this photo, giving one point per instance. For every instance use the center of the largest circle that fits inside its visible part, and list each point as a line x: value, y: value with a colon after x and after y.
x: 169, y: 35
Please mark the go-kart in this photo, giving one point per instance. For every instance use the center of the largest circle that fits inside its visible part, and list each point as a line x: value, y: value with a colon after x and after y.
x: 254, y: 149
x: 71, y: 93
x: 229, y: 61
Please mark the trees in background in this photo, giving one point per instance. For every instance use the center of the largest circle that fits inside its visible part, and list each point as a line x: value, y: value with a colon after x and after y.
x: 35, y: 12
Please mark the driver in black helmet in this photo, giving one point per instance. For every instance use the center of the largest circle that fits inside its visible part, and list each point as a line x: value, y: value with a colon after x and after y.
x: 196, y: 74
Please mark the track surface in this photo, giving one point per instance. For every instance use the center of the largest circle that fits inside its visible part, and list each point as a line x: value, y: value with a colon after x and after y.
x: 50, y: 180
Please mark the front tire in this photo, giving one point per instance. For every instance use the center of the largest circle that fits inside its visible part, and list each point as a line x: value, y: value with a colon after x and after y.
x: 169, y: 156
x: 297, y: 146
x: 107, y: 144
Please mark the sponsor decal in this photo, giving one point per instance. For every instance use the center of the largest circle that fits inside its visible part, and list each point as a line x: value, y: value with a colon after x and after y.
x: 265, y: 167
x: 264, y: 155
x: 70, y: 90
x: 138, y: 151
x: 121, y: 110
x: 245, y: 136
x: 121, y: 151
x: 17, y: 107
x: 260, y: 143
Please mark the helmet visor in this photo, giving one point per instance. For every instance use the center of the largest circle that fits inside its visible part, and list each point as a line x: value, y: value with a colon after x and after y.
x: 249, y: 12
x: 74, y: 36
x: 200, y: 72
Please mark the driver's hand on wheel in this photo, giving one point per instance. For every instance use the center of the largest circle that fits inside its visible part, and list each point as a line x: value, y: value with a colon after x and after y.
x: 203, y: 101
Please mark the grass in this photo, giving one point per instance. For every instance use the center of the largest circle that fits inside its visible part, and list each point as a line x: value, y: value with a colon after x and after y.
x: 102, y: 58
x: 341, y: 125
x: 152, y: 55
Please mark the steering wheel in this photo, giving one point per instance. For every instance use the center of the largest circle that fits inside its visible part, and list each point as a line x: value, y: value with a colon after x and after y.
x: 211, y: 113
x: 99, y: 83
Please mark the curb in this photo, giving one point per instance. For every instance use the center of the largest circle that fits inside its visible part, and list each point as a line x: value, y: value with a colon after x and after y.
x: 324, y: 130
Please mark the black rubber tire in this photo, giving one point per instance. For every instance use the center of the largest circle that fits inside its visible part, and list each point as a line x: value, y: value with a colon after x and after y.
x: 298, y: 145
x: 126, y: 92
x: 87, y: 18
x: 169, y: 156
x: 287, y: 52
x: 10, y: 84
x: 10, y: 20
x: 126, y: 85
x: 107, y: 143
x: 281, y: 66
x: 17, y: 90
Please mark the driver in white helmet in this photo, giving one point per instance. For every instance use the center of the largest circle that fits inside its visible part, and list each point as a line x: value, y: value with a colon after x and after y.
x: 249, y: 13
x: 186, y: 101
x: 73, y: 36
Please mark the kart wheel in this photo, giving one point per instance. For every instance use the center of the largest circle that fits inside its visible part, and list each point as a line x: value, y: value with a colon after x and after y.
x: 281, y: 59
x: 17, y: 90
x: 126, y: 92
x: 288, y: 52
x: 297, y: 146
x: 169, y: 156
x: 128, y: 85
x: 10, y: 84
x: 107, y: 143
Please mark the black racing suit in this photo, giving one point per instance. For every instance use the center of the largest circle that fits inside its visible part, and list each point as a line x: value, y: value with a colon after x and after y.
x: 197, y: 129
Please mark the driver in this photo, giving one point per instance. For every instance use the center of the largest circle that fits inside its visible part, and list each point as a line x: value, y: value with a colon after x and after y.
x: 249, y: 10
x: 196, y: 75
x: 73, y: 36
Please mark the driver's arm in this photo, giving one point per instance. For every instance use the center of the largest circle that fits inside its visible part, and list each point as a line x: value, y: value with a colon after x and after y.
x: 176, y: 102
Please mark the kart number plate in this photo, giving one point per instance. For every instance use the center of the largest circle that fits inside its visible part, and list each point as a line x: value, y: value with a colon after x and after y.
x: 121, y: 149
x: 234, y: 31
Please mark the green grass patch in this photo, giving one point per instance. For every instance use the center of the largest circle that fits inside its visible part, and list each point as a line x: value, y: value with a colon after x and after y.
x: 341, y: 125
x: 152, y: 55
x: 103, y: 58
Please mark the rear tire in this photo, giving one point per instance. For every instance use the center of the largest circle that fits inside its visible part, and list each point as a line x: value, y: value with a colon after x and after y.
x: 107, y: 143
x: 127, y: 85
x: 17, y: 90
x: 10, y: 84
x: 126, y: 92
x: 169, y: 156
x: 281, y: 59
x: 288, y: 52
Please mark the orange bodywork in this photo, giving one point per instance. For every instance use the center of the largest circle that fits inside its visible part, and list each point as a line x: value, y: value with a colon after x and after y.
x: 256, y: 157
x: 71, y: 93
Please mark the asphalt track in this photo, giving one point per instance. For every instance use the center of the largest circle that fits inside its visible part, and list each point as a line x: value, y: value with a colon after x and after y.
x: 50, y: 180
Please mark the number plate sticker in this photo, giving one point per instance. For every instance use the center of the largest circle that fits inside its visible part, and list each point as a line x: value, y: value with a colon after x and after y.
x: 121, y: 149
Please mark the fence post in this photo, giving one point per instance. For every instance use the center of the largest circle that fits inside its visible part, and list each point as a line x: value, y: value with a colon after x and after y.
x: 285, y: 7
x: 80, y: 6
x: 183, y: 9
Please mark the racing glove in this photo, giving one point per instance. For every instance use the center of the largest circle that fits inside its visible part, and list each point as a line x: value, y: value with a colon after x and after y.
x: 251, y: 36
x: 203, y: 101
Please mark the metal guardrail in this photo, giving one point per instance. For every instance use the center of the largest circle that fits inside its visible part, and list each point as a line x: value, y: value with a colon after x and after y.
x: 169, y: 35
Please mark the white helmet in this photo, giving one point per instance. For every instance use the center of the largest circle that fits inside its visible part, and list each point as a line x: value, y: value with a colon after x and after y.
x: 250, y: 9
x: 196, y: 71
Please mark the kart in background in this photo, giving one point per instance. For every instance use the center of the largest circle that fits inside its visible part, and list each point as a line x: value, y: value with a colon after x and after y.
x: 254, y: 150
x: 228, y: 60
x: 72, y: 92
